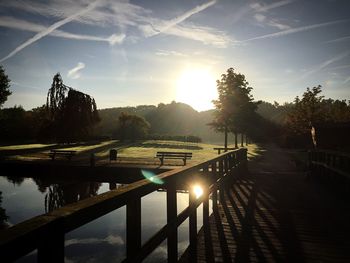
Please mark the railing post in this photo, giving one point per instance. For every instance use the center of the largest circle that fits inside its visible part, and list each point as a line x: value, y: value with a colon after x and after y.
x: 133, y: 227
x: 226, y: 164
x: 51, y: 248
x: 171, y: 215
x: 193, y: 228
x: 206, y: 194
x: 214, y: 195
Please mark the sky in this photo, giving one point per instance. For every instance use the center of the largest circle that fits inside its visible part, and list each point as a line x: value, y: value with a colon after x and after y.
x: 128, y: 53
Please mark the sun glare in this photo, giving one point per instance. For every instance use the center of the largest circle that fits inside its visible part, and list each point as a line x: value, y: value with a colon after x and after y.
x: 196, y: 87
x: 198, y: 191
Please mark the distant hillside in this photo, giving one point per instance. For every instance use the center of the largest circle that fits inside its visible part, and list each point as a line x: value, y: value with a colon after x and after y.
x: 165, y: 119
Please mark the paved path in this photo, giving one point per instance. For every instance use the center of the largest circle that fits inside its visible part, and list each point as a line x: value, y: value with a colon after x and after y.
x: 275, y: 214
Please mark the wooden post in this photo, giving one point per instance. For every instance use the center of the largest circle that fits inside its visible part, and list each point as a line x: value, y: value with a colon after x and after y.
x: 51, y: 248
x: 133, y: 227
x: 221, y: 168
x: 242, y: 140
x: 206, y: 206
x: 171, y: 215
x: 193, y: 228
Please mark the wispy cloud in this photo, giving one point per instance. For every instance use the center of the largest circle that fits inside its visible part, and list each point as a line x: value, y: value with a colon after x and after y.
x: 263, y: 8
x: 296, y: 30
x: 11, y: 22
x: 74, y: 73
x: 262, y: 20
x: 176, y: 27
x: 165, y: 53
x: 206, y: 35
x: 50, y: 29
x: 325, y: 64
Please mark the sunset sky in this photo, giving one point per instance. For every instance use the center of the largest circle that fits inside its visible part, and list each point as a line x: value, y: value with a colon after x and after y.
x: 127, y: 53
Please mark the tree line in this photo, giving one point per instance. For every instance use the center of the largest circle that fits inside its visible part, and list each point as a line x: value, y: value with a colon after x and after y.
x: 70, y: 115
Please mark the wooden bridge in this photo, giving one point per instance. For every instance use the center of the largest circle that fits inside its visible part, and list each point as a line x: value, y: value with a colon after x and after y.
x: 271, y: 212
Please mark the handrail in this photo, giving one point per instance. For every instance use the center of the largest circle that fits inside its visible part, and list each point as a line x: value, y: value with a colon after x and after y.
x: 326, y: 161
x: 46, y: 232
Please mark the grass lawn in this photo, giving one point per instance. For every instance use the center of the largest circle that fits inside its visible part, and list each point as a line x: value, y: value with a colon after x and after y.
x: 83, y: 148
x: 142, y: 152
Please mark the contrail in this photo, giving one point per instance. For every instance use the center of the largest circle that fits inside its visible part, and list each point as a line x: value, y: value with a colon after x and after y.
x: 15, y: 23
x: 296, y: 30
x: 179, y: 19
x: 11, y: 22
x: 272, y: 6
x: 338, y: 40
x: 326, y: 63
x: 50, y: 29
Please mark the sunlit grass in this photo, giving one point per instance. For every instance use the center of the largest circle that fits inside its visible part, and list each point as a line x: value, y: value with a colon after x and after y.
x: 24, y: 146
x: 149, y: 149
x: 82, y: 148
x: 142, y: 152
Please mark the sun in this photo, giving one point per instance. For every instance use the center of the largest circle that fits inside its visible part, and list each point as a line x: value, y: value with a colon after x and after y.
x: 196, y: 87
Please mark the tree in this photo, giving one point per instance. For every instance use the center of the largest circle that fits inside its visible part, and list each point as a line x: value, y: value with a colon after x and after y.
x: 132, y: 127
x: 235, y: 106
x: 307, y: 111
x: 72, y: 114
x: 4, y: 86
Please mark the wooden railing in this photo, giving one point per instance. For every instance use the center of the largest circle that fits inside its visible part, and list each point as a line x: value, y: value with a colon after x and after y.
x: 326, y: 163
x: 46, y: 233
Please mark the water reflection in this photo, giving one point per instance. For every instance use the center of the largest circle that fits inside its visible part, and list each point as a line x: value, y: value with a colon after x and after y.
x: 3, y: 216
x: 59, y: 195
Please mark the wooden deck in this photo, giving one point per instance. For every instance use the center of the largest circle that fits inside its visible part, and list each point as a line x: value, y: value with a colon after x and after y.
x: 276, y: 214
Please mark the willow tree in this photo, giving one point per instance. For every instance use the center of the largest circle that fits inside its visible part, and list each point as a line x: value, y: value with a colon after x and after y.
x: 72, y: 114
x: 235, y: 106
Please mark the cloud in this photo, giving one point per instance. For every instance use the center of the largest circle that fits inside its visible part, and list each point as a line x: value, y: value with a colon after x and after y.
x: 166, y: 53
x: 111, y: 239
x: 11, y: 22
x: 263, y: 8
x: 206, y: 35
x: 74, y: 73
x: 119, y: 14
x: 50, y: 29
x: 296, y: 30
x: 326, y: 63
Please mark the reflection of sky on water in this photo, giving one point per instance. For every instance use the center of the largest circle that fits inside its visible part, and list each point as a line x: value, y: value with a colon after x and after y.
x: 102, y: 240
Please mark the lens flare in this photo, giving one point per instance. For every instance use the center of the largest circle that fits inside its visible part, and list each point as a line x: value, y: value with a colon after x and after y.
x: 198, y: 191
x: 150, y: 176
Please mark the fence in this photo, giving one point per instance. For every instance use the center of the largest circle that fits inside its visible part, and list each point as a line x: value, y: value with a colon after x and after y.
x: 46, y: 233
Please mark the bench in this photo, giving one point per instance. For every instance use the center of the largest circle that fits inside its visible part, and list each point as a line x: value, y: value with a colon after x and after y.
x: 173, y: 155
x: 64, y: 153
x: 219, y: 149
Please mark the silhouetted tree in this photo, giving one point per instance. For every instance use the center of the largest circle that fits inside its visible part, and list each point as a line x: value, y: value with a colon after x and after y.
x: 132, y: 127
x: 235, y: 106
x: 72, y: 114
x: 4, y: 86
x: 15, y: 124
x: 307, y: 111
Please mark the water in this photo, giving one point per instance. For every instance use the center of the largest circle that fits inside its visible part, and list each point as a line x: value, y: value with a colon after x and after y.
x: 102, y: 240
